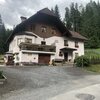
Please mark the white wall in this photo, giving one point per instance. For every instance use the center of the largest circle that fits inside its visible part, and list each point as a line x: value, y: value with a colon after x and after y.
x: 58, y: 41
x: 60, y: 44
x: 26, y: 57
x: 14, y: 43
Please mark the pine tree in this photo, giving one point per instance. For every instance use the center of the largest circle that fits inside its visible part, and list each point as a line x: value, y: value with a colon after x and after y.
x: 57, y: 11
x: 67, y: 18
x: 52, y: 10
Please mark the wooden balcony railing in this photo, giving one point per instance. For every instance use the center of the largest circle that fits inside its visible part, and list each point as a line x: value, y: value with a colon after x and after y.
x: 37, y: 47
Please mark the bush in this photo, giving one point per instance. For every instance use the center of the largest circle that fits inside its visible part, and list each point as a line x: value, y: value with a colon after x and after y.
x: 1, y: 74
x: 82, y: 61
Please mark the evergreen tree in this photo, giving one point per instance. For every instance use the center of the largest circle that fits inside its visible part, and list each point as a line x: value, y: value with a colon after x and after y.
x: 67, y: 18
x: 4, y: 34
x: 52, y: 10
x: 57, y: 11
x: 86, y: 21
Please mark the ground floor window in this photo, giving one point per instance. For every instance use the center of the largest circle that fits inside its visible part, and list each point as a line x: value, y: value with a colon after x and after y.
x: 76, y: 55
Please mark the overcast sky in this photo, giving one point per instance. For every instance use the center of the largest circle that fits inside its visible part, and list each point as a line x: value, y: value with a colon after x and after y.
x: 11, y: 10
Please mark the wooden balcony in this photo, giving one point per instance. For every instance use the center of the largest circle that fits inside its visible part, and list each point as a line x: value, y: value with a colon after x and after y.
x: 37, y: 47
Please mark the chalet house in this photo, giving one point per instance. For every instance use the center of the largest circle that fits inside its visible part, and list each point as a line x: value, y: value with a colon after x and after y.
x: 43, y: 38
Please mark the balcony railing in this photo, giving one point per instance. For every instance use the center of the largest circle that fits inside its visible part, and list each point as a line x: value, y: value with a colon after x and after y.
x: 37, y: 47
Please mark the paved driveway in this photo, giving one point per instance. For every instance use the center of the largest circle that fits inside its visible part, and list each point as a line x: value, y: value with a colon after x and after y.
x: 42, y: 83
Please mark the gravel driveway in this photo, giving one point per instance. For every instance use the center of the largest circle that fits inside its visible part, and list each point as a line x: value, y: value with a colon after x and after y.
x: 41, y: 83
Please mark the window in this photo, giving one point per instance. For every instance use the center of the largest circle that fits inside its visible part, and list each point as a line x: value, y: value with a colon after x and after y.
x: 60, y: 53
x: 27, y: 40
x: 53, y: 31
x: 65, y: 42
x: 19, y: 41
x: 43, y: 29
x: 43, y: 43
x: 76, y: 55
x: 76, y: 44
x: 32, y: 27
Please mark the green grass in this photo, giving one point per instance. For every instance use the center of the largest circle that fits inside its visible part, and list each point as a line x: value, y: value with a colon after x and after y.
x: 93, y: 68
x: 92, y: 52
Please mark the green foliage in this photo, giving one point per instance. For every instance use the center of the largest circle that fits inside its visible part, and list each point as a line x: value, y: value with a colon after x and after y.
x: 82, y: 61
x: 1, y: 74
x: 93, y: 55
x: 67, y: 21
x: 93, y: 68
x: 85, y: 20
x: 56, y: 11
x: 93, y: 42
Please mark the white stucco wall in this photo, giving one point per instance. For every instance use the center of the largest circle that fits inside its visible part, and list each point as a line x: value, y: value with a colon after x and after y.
x: 26, y: 57
x: 60, y: 44
x: 58, y: 41
x: 14, y: 43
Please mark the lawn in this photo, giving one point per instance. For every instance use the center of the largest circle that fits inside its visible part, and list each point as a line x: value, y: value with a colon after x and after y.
x: 94, y: 55
x: 93, y: 68
x: 92, y: 52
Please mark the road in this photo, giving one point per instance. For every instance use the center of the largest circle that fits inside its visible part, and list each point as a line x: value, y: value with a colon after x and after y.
x: 44, y: 82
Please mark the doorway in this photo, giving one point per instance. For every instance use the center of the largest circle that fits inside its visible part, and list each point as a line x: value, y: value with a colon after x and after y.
x: 66, y: 56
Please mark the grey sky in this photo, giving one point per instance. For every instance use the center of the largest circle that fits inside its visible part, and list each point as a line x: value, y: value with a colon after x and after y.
x: 11, y: 10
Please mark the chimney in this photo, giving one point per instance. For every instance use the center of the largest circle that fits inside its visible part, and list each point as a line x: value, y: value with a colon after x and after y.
x: 23, y: 18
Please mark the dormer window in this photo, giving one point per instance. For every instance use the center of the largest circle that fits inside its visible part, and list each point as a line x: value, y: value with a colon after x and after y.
x: 43, y: 29
x: 65, y: 42
x: 53, y: 31
x: 76, y: 44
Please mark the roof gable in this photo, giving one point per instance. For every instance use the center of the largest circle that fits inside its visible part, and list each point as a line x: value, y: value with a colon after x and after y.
x: 47, y: 11
x: 42, y: 15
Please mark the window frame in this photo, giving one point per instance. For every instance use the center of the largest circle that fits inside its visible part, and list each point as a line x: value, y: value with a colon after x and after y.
x: 18, y: 42
x: 43, y: 42
x: 65, y: 42
x: 53, y: 31
x: 76, y: 44
x: 29, y: 39
x: 43, y: 29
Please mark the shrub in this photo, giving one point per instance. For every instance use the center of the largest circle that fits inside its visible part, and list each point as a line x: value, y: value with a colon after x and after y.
x: 1, y: 74
x: 82, y: 61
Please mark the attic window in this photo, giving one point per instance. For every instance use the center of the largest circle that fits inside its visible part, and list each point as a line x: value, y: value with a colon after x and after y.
x: 32, y: 27
x: 53, y: 31
x: 43, y: 29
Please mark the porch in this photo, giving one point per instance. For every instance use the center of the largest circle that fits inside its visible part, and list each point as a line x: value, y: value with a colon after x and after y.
x: 68, y: 53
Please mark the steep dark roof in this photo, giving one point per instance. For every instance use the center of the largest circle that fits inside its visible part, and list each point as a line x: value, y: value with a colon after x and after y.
x: 47, y: 11
x: 44, y: 15
x: 77, y: 35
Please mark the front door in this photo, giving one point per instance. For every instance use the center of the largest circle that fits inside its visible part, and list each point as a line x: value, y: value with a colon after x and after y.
x: 66, y: 56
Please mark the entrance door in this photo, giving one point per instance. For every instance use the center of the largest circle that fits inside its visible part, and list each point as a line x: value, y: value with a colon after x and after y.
x: 66, y: 56
x: 44, y: 58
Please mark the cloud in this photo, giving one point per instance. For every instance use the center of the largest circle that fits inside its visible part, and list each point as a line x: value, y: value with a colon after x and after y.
x: 11, y: 10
